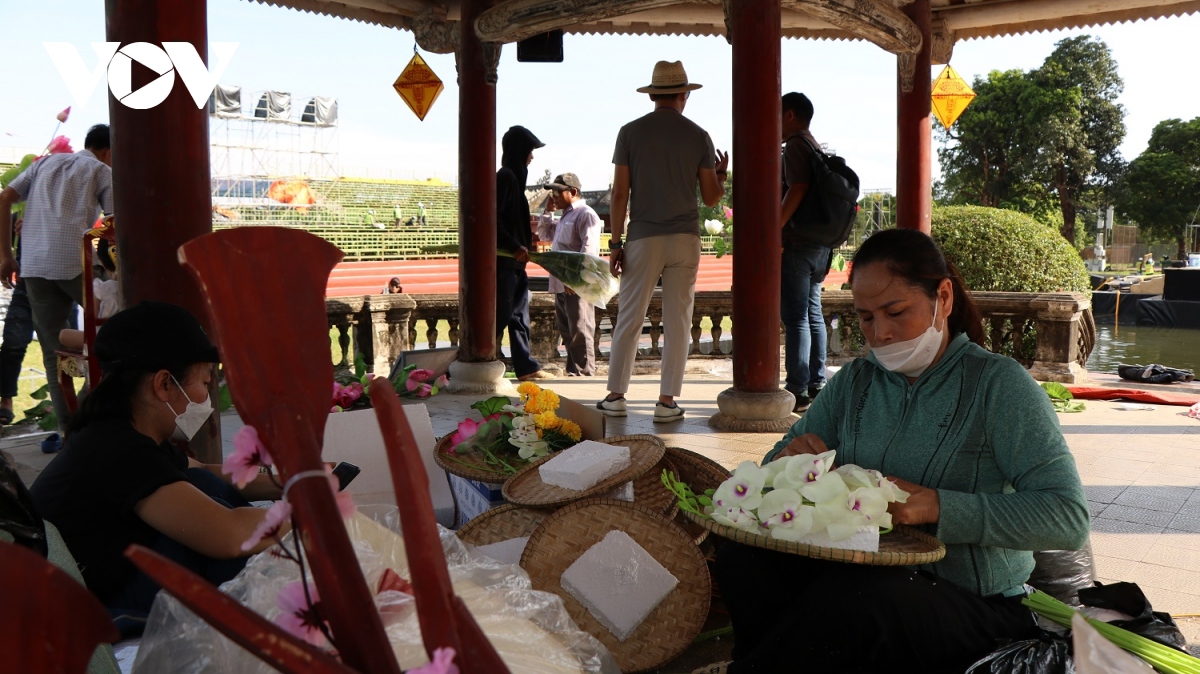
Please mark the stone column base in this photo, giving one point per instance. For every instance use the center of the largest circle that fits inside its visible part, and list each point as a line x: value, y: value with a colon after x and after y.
x: 485, y: 377
x: 1063, y: 373
x: 747, y: 412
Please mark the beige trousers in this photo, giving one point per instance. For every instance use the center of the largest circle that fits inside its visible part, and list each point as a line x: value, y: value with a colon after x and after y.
x: 676, y: 258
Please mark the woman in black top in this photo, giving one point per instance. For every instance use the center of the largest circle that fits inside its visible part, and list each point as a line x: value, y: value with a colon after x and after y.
x: 119, y: 481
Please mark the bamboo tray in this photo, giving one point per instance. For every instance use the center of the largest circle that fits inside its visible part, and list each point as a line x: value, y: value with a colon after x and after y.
x: 526, y: 487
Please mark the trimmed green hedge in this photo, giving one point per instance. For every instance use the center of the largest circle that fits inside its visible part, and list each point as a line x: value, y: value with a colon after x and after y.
x: 1006, y: 251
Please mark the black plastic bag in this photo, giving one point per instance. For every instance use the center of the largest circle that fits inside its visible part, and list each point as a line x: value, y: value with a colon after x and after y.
x: 1048, y: 654
x: 1129, y: 599
x: 1155, y: 374
x: 18, y: 516
x: 1063, y: 573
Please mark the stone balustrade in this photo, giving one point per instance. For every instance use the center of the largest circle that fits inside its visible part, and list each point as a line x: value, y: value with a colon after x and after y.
x: 1051, y: 334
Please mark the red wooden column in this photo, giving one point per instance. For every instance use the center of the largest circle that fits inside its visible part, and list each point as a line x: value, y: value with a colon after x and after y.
x: 477, y: 369
x: 756, y: 401
x: 914, y: 167
x: 162, y: 190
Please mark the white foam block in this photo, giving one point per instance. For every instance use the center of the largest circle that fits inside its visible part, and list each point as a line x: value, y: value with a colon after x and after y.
x: 865, y: 539
x: 585, y: 465
x: 355, y: 437
x: 618, y: 582
x: 508, y: 552
x: 621, y: 492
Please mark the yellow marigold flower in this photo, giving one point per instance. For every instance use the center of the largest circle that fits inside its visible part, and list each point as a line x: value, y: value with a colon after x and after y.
x: 527, y: 390
x: 532, y: 406
x: 548, y: 420
x: 570, y: 429
x: 548, y: 400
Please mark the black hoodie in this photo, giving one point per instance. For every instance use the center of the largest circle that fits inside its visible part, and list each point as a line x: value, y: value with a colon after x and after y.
x: 512, y: 208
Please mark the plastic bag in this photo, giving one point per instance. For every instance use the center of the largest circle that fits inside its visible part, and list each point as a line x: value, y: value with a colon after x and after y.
x: 531, y: 630
x: 1063, y: 573
x: 1155, y: 374
x: 1048, y: 654
x: 1095, y: 654
x: 1129, y: 599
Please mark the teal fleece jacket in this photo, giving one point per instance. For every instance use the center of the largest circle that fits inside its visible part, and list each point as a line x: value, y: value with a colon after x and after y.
x: 980, y: 430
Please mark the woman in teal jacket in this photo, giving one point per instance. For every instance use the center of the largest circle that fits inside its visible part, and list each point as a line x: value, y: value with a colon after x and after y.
x: 972, y: 438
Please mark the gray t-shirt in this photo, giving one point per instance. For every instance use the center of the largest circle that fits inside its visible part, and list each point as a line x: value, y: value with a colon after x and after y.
x: 664, y: 152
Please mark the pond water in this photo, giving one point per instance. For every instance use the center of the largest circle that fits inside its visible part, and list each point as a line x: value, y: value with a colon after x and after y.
x: 1142, y: 345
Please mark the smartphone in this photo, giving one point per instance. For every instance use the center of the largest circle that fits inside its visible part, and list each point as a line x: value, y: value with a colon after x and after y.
x: 345, y: 473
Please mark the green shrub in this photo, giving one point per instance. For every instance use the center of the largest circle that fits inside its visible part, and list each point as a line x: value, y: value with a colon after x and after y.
x: 1007, y: 251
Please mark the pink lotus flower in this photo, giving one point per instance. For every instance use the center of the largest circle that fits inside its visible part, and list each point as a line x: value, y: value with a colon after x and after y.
x: 298, y: 617
x: 62, y: 116
x: 442, y: 382
x: 728, y: 213
x: 345, y: 500
x: 424, y: 391
x: 279, y: 513
x: 345, y: 396
x: 466, y: 430
x: 248, y: 454
x: 442, y: 663
x: 416, y: 377
x: 60, y: 145
x: 1194, y: 411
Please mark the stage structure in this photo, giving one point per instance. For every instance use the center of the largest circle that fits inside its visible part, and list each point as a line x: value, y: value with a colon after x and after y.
x: 259, y: 137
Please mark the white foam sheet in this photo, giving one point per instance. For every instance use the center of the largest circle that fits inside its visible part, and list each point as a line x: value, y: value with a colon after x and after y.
x: 618, y: 582
x: 621, y: 492
x: 865, y: 539
x: 585, y: 465
x: 508, y: 551
x: 355, y: 437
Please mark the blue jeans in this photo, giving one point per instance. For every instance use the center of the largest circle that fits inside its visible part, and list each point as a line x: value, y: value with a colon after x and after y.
x: 804, y: 268
x: 18, y: 333
x: 130, y: 605
x: 512, y: 311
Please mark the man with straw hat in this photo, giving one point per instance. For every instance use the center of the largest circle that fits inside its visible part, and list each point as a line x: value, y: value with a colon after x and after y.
x: 660, y: 160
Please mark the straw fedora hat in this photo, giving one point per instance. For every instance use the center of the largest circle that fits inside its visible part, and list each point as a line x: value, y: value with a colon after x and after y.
x: 669, y: 78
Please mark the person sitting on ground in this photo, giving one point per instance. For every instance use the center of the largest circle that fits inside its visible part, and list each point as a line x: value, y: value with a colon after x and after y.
x: 973, y: 440
x: 393, y: 287
x: 106, y: 295
x: 119, y: 481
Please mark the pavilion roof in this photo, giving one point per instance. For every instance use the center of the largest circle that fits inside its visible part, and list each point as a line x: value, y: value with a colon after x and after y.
x: 879, y: 21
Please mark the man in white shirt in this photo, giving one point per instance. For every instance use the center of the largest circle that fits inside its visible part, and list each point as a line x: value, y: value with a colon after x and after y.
x: 64, y: 194
x: 578, y: 230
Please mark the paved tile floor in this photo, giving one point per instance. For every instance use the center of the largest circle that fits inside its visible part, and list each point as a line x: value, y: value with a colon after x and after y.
x: 1141, y: 470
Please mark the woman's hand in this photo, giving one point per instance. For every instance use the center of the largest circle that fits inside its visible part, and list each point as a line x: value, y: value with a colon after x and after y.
x: 922, y: 507
x: 809, y: 443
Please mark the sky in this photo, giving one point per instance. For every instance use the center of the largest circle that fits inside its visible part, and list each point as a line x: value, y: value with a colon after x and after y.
x: 575, y: 107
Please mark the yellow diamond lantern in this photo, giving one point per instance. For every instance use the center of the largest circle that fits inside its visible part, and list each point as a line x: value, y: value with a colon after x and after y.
x: 418, y: 86
x: 951, y: 96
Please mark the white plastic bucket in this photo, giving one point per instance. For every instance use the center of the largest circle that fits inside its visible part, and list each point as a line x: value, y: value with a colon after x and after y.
x: 1194, y: 260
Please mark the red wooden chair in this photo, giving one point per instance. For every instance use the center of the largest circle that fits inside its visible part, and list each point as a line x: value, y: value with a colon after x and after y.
x: 80, y: 364
x: 50, y: 623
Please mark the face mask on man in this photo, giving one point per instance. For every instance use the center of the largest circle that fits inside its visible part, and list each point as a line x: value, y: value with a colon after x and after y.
x: 913, y: 356
x: 193, y: 417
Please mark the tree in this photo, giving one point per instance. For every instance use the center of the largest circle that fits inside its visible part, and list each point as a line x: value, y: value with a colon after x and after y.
x: 1083, y: 124
x: 1161, y: 191
x: 1040, y: 142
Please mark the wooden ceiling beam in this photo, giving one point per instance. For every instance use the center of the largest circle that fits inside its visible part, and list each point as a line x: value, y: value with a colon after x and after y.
x: 871, y: 20
x: 515, y: 20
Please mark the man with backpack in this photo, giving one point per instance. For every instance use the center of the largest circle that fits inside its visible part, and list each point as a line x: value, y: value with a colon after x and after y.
x: 819, y: 202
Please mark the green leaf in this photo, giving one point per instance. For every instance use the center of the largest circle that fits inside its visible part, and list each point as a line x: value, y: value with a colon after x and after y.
x: 224, y: 398
x: 48, y: 422
x: 1056, y: 391
x: 839, y: 262
x: 365, y: 380
x: 720, y: 247
x: 492, y: 405
x: 704, y: 500
x: 360, y: 366
x: 41, y: 393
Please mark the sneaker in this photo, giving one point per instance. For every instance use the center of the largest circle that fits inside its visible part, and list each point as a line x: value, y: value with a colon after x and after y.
x: 52, y: 444
x: 803, y: 402
x: 612, y: 408
x: 540, y: 374
x: 814, y: 390
x: 664, y: 413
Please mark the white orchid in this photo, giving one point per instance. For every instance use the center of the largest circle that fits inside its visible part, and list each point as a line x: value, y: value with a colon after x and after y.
x: 889, y: 490
x: 785, y: 514
x: 830, y: 488
x: 713, y: 227
x: 856, y: 477
x: 743, y: 490
x: 804, y: 469
x: 525, y: 438
x: 737, y: 517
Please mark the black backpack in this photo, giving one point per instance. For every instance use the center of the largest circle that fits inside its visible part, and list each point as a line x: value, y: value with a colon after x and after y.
x: 826, y: 216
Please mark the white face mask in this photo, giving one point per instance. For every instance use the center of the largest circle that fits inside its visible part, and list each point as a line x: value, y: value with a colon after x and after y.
x: 193, y: 417
x: 911, y: 357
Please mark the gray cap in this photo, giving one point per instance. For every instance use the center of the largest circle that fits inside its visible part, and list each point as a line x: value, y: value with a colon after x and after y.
x: 565, y: 182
